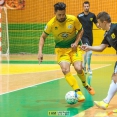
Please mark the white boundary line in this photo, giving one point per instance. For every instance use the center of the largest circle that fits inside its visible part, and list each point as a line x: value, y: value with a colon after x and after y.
x: 48, y: 81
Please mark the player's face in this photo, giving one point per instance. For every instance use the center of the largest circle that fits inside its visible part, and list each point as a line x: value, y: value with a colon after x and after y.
x: 60, y: 15
x: 102, y: 24
x: 86, y: 7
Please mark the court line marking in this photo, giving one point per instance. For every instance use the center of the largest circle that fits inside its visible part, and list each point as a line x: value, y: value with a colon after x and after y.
x: 44, y: 71
x: 50, y: 81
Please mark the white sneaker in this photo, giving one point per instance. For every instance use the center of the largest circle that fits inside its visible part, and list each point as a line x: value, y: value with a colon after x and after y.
x: 101, y: 104
x: 89, y: 71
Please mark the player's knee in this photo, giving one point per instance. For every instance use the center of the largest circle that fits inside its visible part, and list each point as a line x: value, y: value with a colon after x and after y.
x: 65, y: 71
x: 79, y: 69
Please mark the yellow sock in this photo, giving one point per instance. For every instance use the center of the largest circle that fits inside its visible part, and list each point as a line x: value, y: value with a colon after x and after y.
x: 72, y: 82
x: 83, y: 78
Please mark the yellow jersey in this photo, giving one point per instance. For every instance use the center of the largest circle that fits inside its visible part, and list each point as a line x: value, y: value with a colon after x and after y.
x: 64, y: 32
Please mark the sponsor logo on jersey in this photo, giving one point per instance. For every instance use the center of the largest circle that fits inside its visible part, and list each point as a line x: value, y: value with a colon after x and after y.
x: 113, y: 36
x: 80, y: 15
x: 64, y: 34
x: 91, y: 19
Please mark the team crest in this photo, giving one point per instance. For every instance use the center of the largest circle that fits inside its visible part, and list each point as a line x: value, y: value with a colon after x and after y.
x: 91, y: 19
x: 70, y: 26
x: 113, y: 36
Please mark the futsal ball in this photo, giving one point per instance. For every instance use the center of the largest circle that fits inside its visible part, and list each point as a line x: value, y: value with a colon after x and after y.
x: 71, y: 97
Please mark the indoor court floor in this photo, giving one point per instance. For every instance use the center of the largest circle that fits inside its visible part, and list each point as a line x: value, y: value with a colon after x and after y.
x: 30, y: 89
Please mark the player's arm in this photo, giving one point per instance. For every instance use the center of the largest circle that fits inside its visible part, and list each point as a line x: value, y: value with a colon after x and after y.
x: 99, y: 48
x: 79, y: 28
x: 78, y: 38
x: 41, y: 44
x: 96, y: 22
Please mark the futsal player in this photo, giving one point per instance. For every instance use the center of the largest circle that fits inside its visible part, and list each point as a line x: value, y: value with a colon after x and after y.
x: 110, y: 40
x: 87, y: 19
x: 67, y: 32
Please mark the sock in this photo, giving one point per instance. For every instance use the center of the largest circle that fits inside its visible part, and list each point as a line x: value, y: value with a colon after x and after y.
x: 72, y: 82
x: 111, y: 92
x: 78, y: 91
x: 82, y: 78
x: 89, y: 79
x: 85, y: 60
x: 89, y: 54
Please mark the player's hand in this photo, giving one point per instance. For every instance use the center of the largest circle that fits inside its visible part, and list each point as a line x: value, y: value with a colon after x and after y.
x: 40, y: 57
x: 74, y: 46
x: 85, y: 47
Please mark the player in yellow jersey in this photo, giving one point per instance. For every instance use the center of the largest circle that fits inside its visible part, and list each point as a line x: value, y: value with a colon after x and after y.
x: 67, y: 32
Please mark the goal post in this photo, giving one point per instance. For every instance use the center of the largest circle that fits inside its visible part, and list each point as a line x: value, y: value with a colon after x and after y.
x: 4, y: 35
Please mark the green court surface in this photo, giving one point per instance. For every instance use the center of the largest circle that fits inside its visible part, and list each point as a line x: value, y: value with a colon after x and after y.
x: 42, y: 99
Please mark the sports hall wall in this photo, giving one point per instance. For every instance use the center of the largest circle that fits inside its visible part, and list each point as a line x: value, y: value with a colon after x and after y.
x: 26, y: 26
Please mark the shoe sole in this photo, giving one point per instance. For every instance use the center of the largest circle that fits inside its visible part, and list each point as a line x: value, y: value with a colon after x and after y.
x: 99, y: 106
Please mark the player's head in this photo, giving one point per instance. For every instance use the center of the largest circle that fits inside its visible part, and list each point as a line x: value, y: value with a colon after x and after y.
x: 104, y: 20
x: 86, y: 6
x: 60, y: 11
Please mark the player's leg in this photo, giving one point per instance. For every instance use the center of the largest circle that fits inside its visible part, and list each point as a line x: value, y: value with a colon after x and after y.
x: 111, y: 92
x: 77, y: 62
x: 89, y: 54
x: 71, y: 80
x: 84, y: 62
x: 84, y: 41
x: 64, y: 62
x: 115, y: 80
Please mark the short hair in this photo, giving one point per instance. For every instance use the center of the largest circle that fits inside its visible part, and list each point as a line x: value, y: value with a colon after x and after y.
x: 104, y: 16
x: 59, y: 6
x: 86, y: 2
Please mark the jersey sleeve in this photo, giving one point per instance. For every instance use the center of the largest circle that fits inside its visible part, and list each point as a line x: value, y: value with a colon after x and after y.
x: 47, y: 28
x: 78, y: 25
x: 104, y: 41
x: 94, y: 19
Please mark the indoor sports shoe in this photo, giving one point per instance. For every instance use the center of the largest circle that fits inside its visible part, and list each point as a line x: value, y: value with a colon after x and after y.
x: 115, y: 111
x: 90, y: 89
x: 89, y: 70
x: 81, y: 98
x: 101, y: 104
